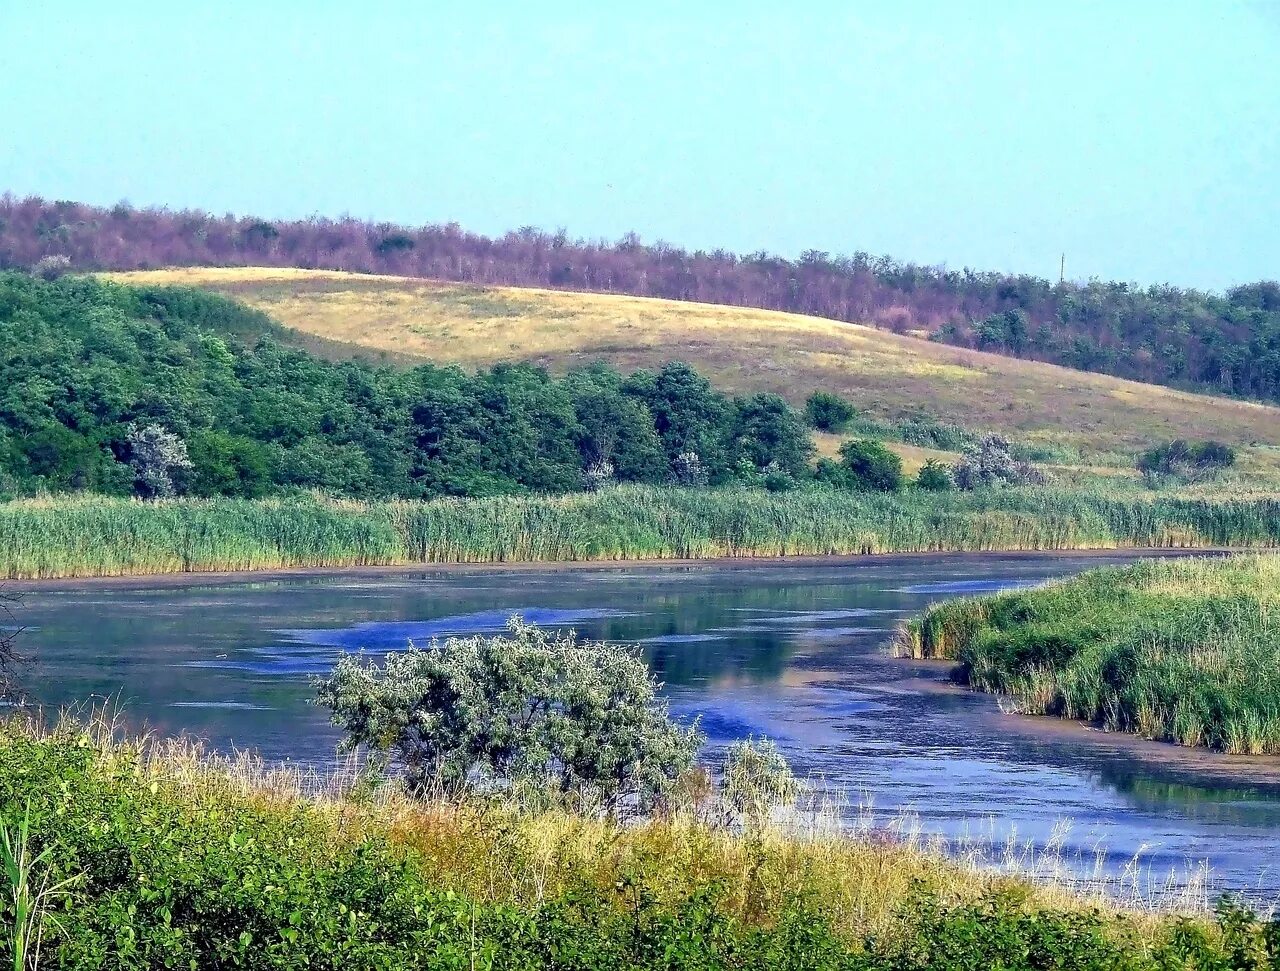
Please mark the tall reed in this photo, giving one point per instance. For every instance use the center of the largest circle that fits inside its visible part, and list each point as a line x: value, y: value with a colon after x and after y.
x: 94, y: 536
x: 1185, y: 651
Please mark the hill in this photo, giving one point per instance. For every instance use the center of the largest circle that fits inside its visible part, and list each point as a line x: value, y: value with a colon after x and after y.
x: 741, y: 350
x: 1218, y: 343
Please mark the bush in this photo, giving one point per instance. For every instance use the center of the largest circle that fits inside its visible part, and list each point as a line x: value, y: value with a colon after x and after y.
x: 757, y: 781
x: 828, y: 412
x: 687, y: 470
x: 159, y: 459
x: 531, y: 713
x: 934, y: 477
x: 51, y: 267
x: 597, y: 475
x: 1181, y: 459
x: 779, y: 480
x: 991, y: 463
x: 871, y: 466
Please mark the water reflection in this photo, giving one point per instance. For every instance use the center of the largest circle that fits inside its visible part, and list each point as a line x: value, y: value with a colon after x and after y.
x: 794, y: 652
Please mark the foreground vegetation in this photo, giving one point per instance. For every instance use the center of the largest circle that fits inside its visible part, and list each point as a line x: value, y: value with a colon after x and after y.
x: 1185, y: 651
x: 96, y: 536
x: 890, y: 377
x: 165, y: 858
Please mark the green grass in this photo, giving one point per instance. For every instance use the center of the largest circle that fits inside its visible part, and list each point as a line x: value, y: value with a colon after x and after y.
x: 182, y: 861
x: 1184, y: 651
x: 87, y: 536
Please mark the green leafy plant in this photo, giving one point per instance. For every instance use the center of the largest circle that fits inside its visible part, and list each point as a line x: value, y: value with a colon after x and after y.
x: 32, y: 894
x: 828, y: 412
x: 871, y: 466
x: 934, y: 476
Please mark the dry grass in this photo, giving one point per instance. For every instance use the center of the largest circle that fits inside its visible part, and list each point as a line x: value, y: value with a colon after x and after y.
x: 862, y: 867
x: 740, y: 349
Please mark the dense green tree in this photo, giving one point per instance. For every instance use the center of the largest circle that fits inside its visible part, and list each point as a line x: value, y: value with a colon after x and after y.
x: 871, y: 466
x: 83, y: 361
x: 828, y: 412
x: 690, y: 416
x: 768, y: 432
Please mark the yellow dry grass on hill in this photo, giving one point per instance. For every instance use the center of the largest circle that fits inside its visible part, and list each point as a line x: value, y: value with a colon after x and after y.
x: 739, y: 349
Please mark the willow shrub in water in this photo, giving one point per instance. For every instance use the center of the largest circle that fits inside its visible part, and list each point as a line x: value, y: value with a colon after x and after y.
x: 1185, y: 651
x: 532, y: 712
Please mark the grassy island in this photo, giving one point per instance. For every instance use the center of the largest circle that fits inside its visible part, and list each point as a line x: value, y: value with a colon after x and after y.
x: 1184, y: 651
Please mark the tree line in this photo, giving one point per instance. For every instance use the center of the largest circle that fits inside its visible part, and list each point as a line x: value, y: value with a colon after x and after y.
x: 1224, y: 343
x: 158, y: 391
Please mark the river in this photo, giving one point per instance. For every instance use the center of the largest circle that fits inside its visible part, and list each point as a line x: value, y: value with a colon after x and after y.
x: 794, y: 652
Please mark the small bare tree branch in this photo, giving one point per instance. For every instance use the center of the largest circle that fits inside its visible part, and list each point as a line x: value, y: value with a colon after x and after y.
x: 10, y: 658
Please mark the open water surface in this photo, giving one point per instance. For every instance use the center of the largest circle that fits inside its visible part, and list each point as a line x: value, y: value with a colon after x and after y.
x: 794, y: 652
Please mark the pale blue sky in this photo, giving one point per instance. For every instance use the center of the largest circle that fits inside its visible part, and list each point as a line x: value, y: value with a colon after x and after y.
x: 1141, y: 139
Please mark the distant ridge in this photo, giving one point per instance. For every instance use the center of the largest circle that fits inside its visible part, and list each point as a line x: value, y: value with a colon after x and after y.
x: 1224, y: 344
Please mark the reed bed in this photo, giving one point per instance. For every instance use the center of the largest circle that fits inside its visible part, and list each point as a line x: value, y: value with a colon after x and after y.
x: 67, y: 537
x: 1184, y: 651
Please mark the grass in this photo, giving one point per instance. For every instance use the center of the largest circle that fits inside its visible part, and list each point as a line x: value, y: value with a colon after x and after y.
x: 179, y: 859
x: 739, y: 349
x: 1183, y: 651
x: 96, y: 536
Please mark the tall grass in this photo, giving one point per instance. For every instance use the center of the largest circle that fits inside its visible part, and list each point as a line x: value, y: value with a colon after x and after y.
x: 93, y: 536
x: 196, y: 861
x: 1185, y: 651
x: 33, y: 896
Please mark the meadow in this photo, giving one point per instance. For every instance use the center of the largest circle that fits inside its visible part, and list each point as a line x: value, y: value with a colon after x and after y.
x: 1184, y: 651
x: 154, y: 854
x: 89, y: 536
x: 888, y: 376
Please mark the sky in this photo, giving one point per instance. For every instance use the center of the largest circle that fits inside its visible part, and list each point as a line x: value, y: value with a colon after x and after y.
x: 1140, y: 140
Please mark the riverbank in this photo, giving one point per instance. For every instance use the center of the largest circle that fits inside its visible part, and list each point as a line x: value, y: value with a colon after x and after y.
x: 97, y: 537
x: 180, y: 859
x: 1184, y: 651
x: 907, y: 561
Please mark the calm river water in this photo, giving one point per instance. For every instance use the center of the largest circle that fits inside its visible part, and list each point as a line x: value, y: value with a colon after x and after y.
x: 795, y: 652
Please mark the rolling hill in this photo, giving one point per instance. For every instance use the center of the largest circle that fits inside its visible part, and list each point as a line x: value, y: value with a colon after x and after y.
x: 741, y: 349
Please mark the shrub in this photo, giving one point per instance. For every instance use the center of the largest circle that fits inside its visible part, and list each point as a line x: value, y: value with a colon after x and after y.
x: 51, y: 267
x: 779, y: 480
x: 934, y: 477
x: 828, y: 412
x: 991, y: 463
x: 159, y: 459
x: 532, y: 712
x: 757, y: 781
x: 1186, y: 460
x: 870, y: 466
x: 597, y: 475
x: 688, y: 470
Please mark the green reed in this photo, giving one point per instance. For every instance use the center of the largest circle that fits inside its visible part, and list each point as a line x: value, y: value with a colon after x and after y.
x: 94, y: 536
x: 1185, y: 651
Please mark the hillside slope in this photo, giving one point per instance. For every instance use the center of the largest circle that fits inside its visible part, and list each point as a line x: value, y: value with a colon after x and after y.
x: 740, y: 349
x: 1183, y: 338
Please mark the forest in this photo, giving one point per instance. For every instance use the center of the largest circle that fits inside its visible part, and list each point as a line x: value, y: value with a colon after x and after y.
x: 1221, y: 343
x: 158, y: 391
